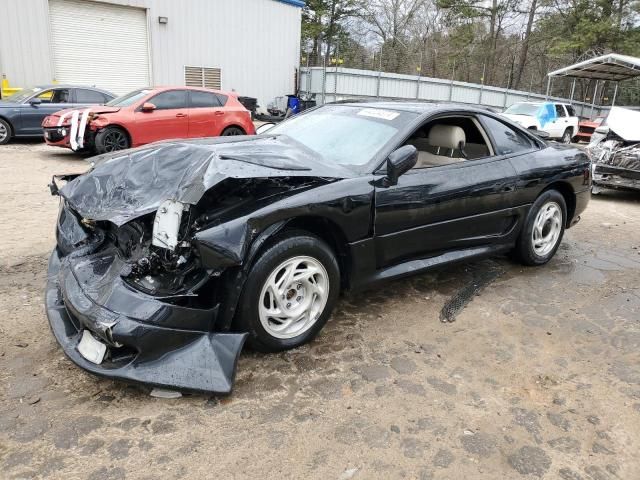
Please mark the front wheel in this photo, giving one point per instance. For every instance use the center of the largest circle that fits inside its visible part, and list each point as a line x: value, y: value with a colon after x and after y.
x: 111, y: 139
x: 543, y: 229
x: 5, y: 132
x: 566, y: 136
x: 290, y: 293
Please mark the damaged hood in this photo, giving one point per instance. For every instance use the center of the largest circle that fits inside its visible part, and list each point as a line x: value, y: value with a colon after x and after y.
x: 625, y: 123
x: 126, y: 185
x: 64, y: 116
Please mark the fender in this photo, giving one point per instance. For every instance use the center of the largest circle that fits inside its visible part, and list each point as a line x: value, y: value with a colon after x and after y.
x: 239, y: 277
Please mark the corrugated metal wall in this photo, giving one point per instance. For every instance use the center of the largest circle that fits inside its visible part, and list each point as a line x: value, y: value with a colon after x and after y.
x: 24, y: 42
x: 344, y: 83
x: 255, y: 42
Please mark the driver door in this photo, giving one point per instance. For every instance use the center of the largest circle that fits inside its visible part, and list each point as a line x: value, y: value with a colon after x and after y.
x: 51, y: 101
x: 169, y: 120
x: 435, y: 209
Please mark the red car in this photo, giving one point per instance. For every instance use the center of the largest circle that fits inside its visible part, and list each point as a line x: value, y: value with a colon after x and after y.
x: 586, y: 129
x: 148, y: 115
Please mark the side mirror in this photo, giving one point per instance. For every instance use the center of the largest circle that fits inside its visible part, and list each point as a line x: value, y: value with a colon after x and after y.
x: 264, y: 128
x: 400, y: 161
x: 148, y: 107
x: 540, y: 134
x: 35, y: 101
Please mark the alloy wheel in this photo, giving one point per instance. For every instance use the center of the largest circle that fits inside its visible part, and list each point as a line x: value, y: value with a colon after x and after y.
x: 547, y: 228
x: 4, y: 132
x: 293, y: 297
x: 233, y: 131
x: 114, y: 140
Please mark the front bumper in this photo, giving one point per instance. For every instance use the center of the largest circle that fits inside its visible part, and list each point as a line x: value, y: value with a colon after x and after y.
x: 610, y: 176
x: 149, y: 341
x: 57, y: 136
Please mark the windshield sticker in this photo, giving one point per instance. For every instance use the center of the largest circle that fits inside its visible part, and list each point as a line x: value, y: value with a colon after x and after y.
x: 377, y: 113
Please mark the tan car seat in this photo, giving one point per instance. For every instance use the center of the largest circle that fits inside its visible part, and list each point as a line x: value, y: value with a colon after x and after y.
x: 439, y: 147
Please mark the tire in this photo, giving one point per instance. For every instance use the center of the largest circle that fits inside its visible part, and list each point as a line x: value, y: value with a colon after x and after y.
x: 232, y: 131
x: 550, y: 201
x: 295, y: 249
x: 111, y: 139
x: 566, y: 136
x: 5, y: 132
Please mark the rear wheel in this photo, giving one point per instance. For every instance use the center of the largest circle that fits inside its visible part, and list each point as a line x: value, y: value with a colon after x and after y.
x: 290, y: 293
x: 232, y: 131
x: 566, y: 136
x: 5, y: 132
x: 111, y: 139
x: 543, y: 229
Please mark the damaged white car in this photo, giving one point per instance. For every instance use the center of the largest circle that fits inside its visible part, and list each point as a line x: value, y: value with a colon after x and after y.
x: 615, y: 151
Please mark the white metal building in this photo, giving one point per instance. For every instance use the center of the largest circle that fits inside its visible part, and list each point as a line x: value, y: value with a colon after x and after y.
x: 251, y: 46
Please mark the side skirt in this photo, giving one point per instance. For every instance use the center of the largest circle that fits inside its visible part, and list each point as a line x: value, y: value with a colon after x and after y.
x: 422, y: 265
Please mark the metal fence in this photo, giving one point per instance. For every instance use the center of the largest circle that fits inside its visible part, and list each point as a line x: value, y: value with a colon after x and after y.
x: 330, y: 84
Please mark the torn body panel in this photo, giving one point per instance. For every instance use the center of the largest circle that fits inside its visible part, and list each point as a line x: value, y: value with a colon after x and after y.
x: 147, y: 340
x: 143, y: 246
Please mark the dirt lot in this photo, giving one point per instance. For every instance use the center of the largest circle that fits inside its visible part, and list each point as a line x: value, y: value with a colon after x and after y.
x: 538, y: 376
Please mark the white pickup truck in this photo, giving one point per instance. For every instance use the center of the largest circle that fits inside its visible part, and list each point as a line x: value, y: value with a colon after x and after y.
x: 559, y: 120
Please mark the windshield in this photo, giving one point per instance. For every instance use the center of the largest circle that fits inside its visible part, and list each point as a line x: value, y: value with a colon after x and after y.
x: 22, y: 95
x: 129, y: 98
x: 346, y: 135
x: 530, y: 109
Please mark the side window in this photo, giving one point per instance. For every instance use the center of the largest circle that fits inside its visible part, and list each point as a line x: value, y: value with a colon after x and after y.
x: 203, y: 99
x: 570, y: 109
x: 89, y: 96
x: 439, y: 141
x: 170, y: 100
x: 560, y: 110
x: 61, y: 95
x: 221, y: 98
x: 46, y: 96
x: 507, y: 139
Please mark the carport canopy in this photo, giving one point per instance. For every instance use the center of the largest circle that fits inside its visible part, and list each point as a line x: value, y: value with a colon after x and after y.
x: 612, y: 67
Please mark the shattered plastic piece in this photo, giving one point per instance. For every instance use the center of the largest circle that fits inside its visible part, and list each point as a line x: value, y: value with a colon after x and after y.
x: 162, y: 393
x: 167, y: 224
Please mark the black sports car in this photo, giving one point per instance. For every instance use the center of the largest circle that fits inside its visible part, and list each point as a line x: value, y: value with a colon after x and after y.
x: 170, y: 256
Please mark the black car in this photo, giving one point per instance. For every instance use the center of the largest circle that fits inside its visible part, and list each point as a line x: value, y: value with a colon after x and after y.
x: 21, y: 114
x: 170, y: 256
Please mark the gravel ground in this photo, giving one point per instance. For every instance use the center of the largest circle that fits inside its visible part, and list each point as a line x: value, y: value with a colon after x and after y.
x: 538, y: 377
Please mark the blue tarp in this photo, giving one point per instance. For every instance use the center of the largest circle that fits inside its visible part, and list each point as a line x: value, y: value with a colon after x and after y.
x: 546, y: 114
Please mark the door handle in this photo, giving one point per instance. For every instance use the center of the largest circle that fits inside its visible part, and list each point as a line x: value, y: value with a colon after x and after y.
x: 218, y: 113
x: 181, y: 115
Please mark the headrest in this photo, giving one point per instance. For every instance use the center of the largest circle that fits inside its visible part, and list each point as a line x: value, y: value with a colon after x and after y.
x: 447, y: 136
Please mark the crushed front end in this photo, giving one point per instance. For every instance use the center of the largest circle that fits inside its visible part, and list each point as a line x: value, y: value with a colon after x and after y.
x: 124, y: 308
x: 616, y: 163
x: 154, y: 245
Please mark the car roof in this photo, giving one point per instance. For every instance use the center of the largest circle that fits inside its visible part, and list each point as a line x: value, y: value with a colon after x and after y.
x: 413, y: 107
x: 68, y: 85
x: 161, y: 88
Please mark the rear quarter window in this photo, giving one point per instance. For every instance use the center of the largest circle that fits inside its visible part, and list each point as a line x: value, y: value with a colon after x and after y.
x: 221, y: 98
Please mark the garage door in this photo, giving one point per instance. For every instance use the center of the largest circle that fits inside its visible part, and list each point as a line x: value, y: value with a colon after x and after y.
x: 99, y: 44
